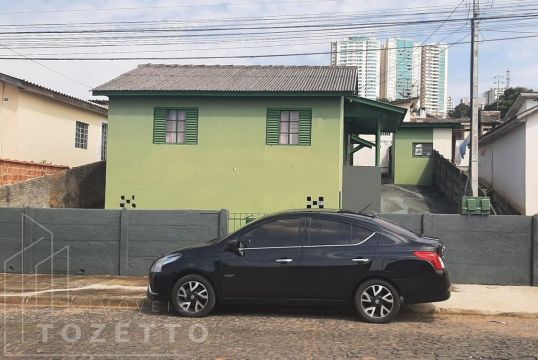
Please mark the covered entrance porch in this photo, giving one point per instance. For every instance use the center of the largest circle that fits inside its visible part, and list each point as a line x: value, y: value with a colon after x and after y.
x: 361, y: 187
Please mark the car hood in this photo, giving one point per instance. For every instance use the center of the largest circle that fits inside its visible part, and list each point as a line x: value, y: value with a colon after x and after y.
x: 191, y: 247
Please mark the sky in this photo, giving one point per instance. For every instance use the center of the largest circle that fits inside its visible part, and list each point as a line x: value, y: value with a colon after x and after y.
x: 78, y: 77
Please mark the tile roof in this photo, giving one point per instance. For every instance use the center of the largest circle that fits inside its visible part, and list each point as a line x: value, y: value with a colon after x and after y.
x: 234, y: 78
x: 41, y: 90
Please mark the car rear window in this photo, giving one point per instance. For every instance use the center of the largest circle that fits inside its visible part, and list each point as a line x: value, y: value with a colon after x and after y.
x: 396, y: 229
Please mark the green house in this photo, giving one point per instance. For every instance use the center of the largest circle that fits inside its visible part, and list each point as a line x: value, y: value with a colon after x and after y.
x: 413, y: 148
x: 251, y: 139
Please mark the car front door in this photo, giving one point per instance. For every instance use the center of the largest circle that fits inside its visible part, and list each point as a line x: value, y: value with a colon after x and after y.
x: 336, y: 256
x: 267, y: 263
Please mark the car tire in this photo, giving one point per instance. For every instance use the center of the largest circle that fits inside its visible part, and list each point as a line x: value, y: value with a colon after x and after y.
x: 377, y: 301
x: 193, y: 296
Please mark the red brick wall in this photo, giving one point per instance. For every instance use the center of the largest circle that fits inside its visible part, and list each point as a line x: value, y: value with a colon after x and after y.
x: 12, y: 171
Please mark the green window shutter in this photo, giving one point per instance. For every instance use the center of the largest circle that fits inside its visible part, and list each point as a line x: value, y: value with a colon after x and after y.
x: 305, y: 127
x: 273, y: 127
x: 159, y: 126
x: 191, y: 126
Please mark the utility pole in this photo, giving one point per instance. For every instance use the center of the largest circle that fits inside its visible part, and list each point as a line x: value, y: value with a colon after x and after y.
x: 473, y: 164
x: 498, y: 81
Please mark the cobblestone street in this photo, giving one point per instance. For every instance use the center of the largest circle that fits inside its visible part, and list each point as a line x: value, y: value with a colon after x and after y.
x: 262, y: 333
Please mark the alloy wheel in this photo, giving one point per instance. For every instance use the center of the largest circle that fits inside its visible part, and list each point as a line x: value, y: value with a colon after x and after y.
x: 193, y: 296
x: 377, y: 301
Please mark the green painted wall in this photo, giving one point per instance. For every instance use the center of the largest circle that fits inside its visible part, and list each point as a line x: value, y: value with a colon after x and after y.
x: 231, y: 167
x: 409, y: 170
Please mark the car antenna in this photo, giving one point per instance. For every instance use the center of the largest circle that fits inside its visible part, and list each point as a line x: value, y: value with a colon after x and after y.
x: 366, y: 207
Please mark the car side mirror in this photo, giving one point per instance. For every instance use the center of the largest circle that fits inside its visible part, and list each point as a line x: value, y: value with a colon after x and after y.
x: 237, y: 246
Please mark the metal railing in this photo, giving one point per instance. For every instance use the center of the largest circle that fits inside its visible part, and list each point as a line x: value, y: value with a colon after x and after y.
x: 238, y: 220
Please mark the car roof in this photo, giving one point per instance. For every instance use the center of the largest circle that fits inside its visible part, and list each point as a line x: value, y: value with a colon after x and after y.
x: 344, y: 213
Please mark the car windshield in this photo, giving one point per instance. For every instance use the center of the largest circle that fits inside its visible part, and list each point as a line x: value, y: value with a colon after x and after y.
x: 396, y: 229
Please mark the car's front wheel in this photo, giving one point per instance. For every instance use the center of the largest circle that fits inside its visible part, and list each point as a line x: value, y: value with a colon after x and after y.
x: 377, y: 301
x: 193, y: 296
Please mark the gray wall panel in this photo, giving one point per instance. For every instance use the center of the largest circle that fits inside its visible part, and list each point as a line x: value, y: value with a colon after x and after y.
x: 480, y: 249
x: 361, y: 187
x: 101, y: 241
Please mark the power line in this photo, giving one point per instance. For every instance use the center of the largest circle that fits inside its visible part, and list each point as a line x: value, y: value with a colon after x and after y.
x: 230, y: 56
x: 383, y: 75
x: 46, y: 67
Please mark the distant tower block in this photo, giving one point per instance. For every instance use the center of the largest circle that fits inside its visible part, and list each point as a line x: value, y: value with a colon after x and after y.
x: 507, y: 79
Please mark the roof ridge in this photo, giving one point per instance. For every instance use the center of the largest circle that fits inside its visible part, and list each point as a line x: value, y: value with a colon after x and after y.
x: 18, y: 82
x: 150, y: 65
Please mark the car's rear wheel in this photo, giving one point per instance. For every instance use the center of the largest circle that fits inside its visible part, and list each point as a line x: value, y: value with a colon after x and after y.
x: 193, y: 296
x: 377, y: 301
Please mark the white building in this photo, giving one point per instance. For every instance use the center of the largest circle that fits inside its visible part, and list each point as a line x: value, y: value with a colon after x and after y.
x: 492, y: 95
x: 363, y: 53
x: 507, y: 155
x: 434, y: 79
x: 449, y: 104
x: 400, y: 69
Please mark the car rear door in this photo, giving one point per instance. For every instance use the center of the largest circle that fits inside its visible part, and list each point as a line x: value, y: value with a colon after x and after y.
x: 268, y: 266
x: 336, y: 256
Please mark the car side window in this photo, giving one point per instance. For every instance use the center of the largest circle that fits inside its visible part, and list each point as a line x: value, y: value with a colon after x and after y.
x: 329, y: 232
x: 282, y: 232
x: 359, y: 234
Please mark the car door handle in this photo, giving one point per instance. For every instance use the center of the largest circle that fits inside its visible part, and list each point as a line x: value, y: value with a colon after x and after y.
x: 360, y: 260
x: 284, y: 261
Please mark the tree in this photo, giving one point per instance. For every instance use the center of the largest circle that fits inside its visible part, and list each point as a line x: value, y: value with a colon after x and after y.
x: 507, y: 99
x: 460, y: 111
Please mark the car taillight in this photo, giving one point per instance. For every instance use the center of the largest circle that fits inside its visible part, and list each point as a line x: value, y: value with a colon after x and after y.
x: 432, y: 257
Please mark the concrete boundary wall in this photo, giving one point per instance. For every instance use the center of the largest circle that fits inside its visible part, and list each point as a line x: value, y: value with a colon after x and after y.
x: 100, y: 242
x: 499, y: 250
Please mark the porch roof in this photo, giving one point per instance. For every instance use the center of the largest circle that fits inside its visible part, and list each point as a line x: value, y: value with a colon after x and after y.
x: 362, y: 116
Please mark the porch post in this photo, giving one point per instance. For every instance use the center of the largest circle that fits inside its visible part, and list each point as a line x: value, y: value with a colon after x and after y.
x: 378, y: 145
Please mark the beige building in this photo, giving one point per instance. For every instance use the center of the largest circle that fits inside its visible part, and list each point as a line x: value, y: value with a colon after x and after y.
x: 44, y: 126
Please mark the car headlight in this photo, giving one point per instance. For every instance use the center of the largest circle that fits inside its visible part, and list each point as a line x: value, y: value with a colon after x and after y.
x: 158, y: 265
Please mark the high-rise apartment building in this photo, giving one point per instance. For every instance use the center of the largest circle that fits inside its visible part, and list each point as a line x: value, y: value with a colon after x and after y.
x: 449, y: 104
x: 433, y: 79
x: 363, y: 53
x: 492, y: 95
x: 400, y: 69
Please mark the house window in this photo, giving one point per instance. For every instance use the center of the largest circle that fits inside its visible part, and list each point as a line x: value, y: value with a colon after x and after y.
x: 81, y: 135
x: 104, y: 140
x: 422, y: 150
x: 288, y: 127
x: 175, y: 126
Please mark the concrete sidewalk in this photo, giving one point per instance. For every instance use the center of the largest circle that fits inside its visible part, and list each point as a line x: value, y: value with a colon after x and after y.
x: 123, y: 291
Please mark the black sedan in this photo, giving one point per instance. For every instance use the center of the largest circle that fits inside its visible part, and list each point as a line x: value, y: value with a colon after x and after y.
x: 306, y: 257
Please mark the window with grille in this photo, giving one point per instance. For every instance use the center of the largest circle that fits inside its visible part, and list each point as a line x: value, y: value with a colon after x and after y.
x: 175, y: 126
x: 104, y: 140
x: 81, y: 135
x: 289, y: 127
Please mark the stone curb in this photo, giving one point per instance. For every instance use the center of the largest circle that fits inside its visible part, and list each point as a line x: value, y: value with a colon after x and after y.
x: 77, y: 301
x: 439, y: 310
x: 137, y: 302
